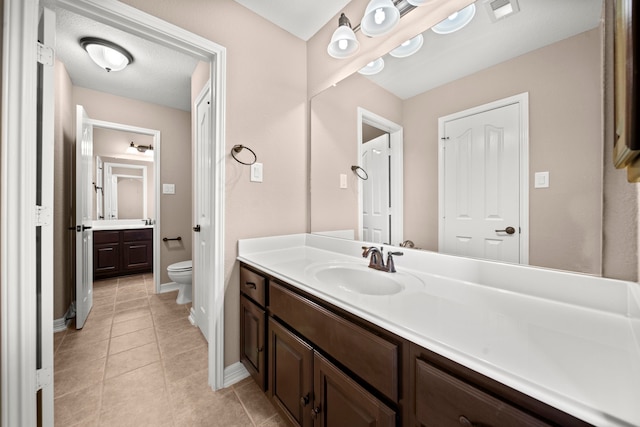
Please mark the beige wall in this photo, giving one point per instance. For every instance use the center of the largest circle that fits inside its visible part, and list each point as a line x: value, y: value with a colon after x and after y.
x: 64, y: 203
x: 266, y: 111
x: 175, y: 162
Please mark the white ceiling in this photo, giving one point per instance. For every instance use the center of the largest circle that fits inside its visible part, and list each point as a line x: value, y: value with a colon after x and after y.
x: 162, y: 76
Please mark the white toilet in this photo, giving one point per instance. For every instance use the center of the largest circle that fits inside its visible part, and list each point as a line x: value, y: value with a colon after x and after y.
x: 181, y: 273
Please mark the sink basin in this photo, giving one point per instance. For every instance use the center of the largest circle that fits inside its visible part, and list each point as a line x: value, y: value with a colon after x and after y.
x: 360, y: 279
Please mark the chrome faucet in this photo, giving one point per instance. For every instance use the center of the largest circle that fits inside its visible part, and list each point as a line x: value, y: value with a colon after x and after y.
x: 377, y: 262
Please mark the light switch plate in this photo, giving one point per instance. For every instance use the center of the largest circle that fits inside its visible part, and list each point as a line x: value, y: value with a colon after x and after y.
x: 256, y: 172
x: 343, y: 180
x: 542, y: 180
x: 168, y: 189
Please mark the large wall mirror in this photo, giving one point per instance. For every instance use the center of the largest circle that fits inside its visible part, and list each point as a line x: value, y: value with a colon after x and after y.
x: 550, y: 53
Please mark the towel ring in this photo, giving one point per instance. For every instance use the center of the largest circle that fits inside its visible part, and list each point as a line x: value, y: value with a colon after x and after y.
x: 360, y: 173
x: 238, y: 148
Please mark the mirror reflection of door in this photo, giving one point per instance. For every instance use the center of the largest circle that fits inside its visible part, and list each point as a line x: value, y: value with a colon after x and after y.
x: 376, y: 213
x: 125, y: 190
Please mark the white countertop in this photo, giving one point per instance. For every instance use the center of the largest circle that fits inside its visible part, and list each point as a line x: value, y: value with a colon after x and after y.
x: 119, y: 224
x: 569, y: 340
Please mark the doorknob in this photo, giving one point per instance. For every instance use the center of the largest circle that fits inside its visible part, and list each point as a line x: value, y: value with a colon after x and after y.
x: 508, y: 230
x: 197, y: 228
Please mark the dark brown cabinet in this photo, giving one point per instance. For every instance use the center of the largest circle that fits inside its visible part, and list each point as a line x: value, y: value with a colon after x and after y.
x: 122, y: 252
x: 252, y: 325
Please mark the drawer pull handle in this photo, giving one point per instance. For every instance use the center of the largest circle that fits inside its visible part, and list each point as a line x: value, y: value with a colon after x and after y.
x: 304, y: 400
x: 250, y: 285
x: 314, y: 412
x: 259, y: 349
x: 464, y: 421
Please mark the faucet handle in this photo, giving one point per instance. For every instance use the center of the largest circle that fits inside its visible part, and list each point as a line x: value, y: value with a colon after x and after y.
x: 391, y: 266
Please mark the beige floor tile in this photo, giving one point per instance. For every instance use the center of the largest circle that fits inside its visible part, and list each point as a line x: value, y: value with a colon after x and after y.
x: 102, y: 309
x: 160, y: 318
x: 69, y: 359
x: 132, y: 288
x: 193, y: 390
x: 275, y: 421
x: 107, y: 299
x: 131, y: 304
x: 57, y: 340
x: 122, y: 392
x: 152, y: 412
x: 80, y: 406
x: 132, y: 340
x: 226, y: 411
x: 185, y: 364
x: 80, y: 377
x: 182, y: 342
x: 130, y: 295
x: 134, y: 313
x: 255, y: 402
x: 168, y: 329
x: 132, y: 325
x: 74, y: 341
x: 130, y: 360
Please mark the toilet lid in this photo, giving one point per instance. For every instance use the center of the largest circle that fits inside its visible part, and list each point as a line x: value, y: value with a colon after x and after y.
x: 181, y: 266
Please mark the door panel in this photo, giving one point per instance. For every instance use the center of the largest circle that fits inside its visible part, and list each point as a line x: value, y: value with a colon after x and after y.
x: 375, y: 190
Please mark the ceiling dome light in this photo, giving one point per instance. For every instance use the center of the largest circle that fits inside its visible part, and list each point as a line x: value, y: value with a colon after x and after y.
x: 408, y: 48
x: 380, y: 17
x: 107, y: 55
x: 343, y: 42
x: 373, y: 67
x: 455, y: 21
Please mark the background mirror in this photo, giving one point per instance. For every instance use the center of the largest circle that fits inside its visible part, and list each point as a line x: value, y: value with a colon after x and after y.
x: 124, y: 182
x: 550, y: 49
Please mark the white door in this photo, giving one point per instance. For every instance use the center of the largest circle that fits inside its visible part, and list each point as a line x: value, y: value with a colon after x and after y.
x: 113, y: 195
x: 375, y: 191
x: 202, y: 261
x: 84, y: 233
x: 99, y: 188
x: 481, y: 160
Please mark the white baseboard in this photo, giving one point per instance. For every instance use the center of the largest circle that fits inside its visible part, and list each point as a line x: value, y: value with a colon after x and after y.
x: 168, y: 287
x: 234, y: 373
x: 61, y: 324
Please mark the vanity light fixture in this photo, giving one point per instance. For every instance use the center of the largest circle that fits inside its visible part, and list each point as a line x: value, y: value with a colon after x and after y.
x: 136, y: 149
x: 106, y: 54
x: 408, y: 48
x: 418, y: 2
x: 455, y: 21
x: 343, y: 42
x: 373, y: 67
x: 380, y: 17
x: 499, y: 9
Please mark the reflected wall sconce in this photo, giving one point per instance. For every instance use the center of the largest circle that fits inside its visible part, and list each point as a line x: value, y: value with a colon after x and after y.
x: 343, y: 42
x: 456, y: 21
x: 373, y: 67
x: 147, y: 150
x: 380, y: 17
x: 408, y: 48
x: 106, y: 54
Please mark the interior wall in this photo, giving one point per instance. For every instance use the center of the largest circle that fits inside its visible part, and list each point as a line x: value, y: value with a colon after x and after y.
x: 64, y: 203
x: 175, y: 162
x: 266, y: 111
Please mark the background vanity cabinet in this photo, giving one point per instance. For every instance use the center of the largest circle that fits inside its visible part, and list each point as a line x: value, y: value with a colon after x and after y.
x: 122, y: 252
x: 324, y: 370
x: 253, y: 288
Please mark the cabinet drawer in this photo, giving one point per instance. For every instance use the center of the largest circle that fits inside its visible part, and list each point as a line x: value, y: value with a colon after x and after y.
x: 253, y: 285
x: 137, y: 235
x: 442, y: 400
x: 369, y: 356
x: 106, y: 237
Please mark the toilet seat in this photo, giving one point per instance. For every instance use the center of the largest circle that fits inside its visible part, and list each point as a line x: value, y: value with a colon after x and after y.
x: 181, y: 266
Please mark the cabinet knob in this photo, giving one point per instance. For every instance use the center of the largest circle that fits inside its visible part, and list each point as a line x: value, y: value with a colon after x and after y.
x: 464, y: 421
x: 259, y: 349
x: 314, y: 412
x: 304, y: 400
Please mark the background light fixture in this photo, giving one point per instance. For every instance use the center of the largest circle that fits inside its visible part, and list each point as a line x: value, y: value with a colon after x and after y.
x: 343, y: 42
x: 144, y: 149
x: 418, y: 2
x: 106, y: 54
x: 455, y: 21
x: 380, y: 17
x: 408, y: 48
x: 373, y: 67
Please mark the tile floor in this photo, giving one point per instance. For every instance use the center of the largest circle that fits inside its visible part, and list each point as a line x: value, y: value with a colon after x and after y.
x: 139, y: 362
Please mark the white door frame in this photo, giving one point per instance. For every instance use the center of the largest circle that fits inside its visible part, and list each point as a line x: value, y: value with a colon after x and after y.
x: 17, y: 223
x: 108, y: 187
x: 396, y: 139
x: 522, y: 100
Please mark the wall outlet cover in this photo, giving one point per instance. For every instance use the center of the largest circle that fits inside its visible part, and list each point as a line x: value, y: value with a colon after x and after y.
x: 168, y: 189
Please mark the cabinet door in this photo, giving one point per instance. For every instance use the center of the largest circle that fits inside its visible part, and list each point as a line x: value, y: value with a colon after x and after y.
x: 341, y: 402
x: 106, y: 259
x: 252, y: 335
x: 290, y: 374
x: 137, y: 256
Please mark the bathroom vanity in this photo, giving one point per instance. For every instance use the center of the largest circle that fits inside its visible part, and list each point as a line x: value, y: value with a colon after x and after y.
x: 333, y: 342
x: 122, y: 251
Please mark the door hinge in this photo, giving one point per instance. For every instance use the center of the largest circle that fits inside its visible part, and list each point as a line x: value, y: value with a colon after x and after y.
x: 45, y: 55
x: 43, y: 378
x: 43, y: 216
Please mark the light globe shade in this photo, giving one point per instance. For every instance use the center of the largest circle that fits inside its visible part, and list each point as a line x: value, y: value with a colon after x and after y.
x: 380, y: 17
x: 343, y: 42
x: 373, y: 67
x: 107, y: 55
x: 408, y: 48
x: 418, y: 2
x: 455, y: 21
